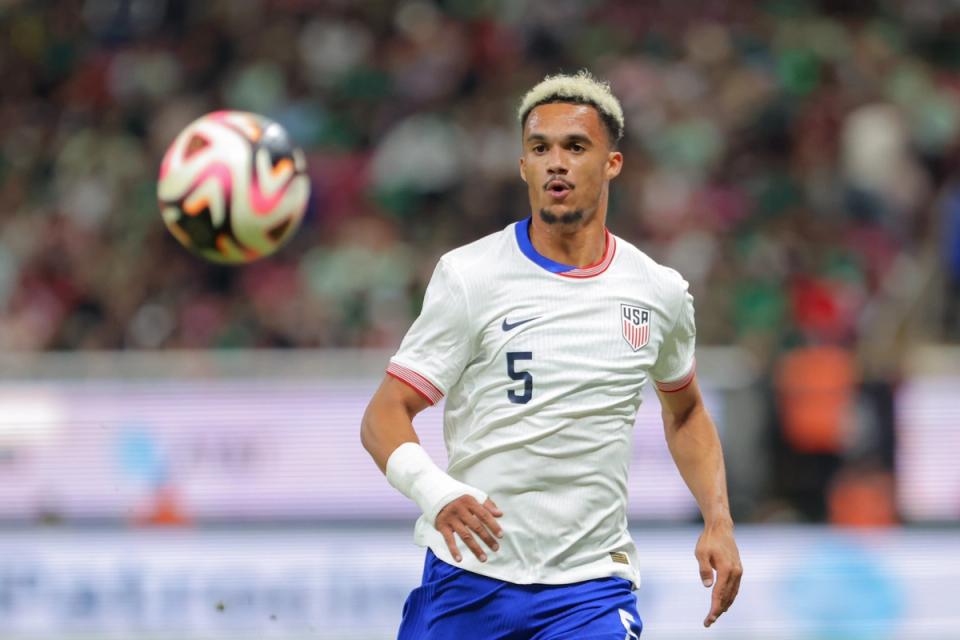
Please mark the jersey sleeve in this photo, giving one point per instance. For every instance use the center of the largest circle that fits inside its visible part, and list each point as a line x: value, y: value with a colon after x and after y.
x: 437, y: 346
x: 676, y: 364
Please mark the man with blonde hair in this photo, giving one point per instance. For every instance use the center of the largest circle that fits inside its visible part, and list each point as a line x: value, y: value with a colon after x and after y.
x: 541, y: 337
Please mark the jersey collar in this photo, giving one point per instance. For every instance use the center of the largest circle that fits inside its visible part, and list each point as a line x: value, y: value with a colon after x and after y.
x: 566, y: 270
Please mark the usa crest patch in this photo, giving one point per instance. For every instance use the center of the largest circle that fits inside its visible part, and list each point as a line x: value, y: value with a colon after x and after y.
x: 636, y: 325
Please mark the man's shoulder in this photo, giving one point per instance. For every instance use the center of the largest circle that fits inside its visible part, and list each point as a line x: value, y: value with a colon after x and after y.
x: 646, y: 268
x: 481, y: 252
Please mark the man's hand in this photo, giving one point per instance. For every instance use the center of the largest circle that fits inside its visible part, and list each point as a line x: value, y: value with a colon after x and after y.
x: 470, y: 519
x: 717, y: 550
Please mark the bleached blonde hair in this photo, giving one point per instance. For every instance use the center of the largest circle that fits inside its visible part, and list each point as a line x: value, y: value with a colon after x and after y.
x: 581, y: 88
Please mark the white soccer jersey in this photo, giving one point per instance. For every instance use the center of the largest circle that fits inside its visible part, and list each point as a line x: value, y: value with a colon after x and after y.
x: 542, y: 366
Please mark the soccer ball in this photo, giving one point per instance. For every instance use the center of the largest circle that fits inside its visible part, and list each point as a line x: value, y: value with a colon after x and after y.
x: 232, y: 187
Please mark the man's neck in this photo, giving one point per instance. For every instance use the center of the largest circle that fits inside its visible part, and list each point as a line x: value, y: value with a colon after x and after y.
x: 578, y: 246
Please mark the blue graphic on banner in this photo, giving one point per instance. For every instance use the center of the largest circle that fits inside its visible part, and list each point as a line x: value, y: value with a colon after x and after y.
x: 844, y: 591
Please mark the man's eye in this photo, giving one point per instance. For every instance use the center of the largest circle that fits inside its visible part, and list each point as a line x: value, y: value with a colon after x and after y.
x: 539, y: 148
x: 576, y: 147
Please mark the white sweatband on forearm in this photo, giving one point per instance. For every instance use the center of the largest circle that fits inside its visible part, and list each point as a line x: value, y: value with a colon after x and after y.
x: 411, y: 471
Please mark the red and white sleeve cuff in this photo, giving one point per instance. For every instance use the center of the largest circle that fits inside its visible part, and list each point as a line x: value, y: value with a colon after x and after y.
x: 418, y: 382
x: 678, y: 385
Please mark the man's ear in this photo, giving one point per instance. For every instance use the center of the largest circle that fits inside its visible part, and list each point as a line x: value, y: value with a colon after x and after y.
x: 523, y: 170
x: 614, y: 164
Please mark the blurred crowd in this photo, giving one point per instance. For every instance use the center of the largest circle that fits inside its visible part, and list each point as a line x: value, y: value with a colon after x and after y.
x: 796, y: 166
x: 796, y: 161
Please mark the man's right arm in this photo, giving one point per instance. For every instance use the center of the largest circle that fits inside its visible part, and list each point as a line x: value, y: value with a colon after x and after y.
x: 387, y: 429
x: 388, y: 420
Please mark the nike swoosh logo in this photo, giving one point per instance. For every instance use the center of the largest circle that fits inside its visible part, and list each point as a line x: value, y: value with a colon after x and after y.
x: 507, y: 326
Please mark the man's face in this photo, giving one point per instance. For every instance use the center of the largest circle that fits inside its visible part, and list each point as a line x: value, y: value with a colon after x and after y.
x: 567, y: 162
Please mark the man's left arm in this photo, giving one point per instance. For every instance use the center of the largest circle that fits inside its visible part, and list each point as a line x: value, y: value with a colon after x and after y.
x: 695, y: 446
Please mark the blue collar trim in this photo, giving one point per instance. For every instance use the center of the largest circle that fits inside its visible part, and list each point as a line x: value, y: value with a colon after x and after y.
x: 523, y: 240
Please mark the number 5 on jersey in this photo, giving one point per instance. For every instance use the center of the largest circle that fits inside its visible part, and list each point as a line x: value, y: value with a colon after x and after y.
x: 526, y: 376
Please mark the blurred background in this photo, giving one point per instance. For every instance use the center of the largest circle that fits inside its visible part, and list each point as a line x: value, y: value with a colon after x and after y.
x: 179, y: 442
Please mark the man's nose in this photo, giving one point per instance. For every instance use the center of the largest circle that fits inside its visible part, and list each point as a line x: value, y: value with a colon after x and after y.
x: 556, y: 163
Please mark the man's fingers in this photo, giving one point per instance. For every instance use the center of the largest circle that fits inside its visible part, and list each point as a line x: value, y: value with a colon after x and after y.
x: 478, y: 527
x: 722, y: 596
x: 451, y: 543
x: 492, y: 507
x: 720, y: 567
x: 487, y: 516
x: 471, y: 521
x: 715, y: 605
x: 469, y: 539
x: 706, y: 571
x: 738, y: 575
x: 733, y: 587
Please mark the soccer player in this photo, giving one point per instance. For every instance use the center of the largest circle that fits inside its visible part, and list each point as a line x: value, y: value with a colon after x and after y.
x: 541, y: 337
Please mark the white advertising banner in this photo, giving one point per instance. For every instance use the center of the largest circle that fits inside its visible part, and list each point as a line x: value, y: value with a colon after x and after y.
x: 348, y: 584
x: 235, y: 450
x: 928, y: 444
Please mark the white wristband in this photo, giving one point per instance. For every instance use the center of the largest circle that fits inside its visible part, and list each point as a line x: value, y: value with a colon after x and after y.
x: 411, y: 471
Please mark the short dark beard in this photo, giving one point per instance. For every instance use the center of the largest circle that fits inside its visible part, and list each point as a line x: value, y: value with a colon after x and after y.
x: 567, y: 218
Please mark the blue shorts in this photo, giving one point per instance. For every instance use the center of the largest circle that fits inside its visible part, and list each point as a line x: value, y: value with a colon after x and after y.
x: 455, y: 604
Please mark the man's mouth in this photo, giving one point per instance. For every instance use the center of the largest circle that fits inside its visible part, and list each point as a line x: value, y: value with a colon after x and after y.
x: 559, y: 189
